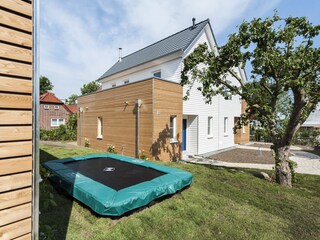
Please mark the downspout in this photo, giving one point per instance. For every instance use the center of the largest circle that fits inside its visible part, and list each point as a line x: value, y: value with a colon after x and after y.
x: 36, y: 178
x: 80, y: 125
x: 138, y: 105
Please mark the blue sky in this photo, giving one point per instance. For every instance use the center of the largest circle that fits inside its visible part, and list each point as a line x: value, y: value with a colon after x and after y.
x: 79, y: 39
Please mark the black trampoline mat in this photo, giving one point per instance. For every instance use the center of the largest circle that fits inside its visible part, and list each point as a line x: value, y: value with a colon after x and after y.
x: 114, y: 173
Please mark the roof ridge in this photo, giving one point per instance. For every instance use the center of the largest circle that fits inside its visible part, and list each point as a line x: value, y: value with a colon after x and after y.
x: 165, y: 38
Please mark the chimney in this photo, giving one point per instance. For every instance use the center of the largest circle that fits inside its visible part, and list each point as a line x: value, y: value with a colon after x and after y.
x: 120, y: 54
x: 193, y: 23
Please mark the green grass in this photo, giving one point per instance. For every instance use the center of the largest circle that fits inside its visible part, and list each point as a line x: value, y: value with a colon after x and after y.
x: 220, y: 204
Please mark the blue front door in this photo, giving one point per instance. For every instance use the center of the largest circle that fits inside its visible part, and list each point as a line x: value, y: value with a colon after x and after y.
x: 184, y: 134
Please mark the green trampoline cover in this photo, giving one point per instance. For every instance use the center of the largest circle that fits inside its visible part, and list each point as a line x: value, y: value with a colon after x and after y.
x: 112, y: 184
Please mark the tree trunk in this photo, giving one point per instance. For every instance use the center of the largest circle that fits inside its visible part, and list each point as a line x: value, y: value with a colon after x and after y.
x: 282, y: 168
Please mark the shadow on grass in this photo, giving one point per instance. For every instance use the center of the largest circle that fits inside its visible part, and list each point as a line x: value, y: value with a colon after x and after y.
x: 246, y: 187
x: 55, y: 205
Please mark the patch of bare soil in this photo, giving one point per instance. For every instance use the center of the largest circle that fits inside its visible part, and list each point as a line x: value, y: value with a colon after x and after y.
x: 245, y: 156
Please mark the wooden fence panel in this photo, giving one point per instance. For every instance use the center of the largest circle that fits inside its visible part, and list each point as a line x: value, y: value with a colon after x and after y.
x: 16, y: 73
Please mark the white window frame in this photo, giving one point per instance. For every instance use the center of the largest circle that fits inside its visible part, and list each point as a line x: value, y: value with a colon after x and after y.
x: 225, y: 126
x: 210, y: 126
x: 56, y: 107
x: 155, y: 72
x: 99, y: 127
x: 58, y: 123
x: 127, y: 81
x: 173, y: 128
x: 46, y: 107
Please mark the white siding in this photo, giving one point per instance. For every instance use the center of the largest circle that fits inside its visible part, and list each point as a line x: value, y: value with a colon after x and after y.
x: 219, y: 109
x: 170, y: 70
x: 192, y: 135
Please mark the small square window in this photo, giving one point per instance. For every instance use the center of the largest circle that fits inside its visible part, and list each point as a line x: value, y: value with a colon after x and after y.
x: 126, y: 82
x: 157, y: 74
x: 46, y: 107
x: 56, y: 107
x: 113, y: 85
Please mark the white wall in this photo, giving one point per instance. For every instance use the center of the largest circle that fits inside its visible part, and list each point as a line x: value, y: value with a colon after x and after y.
x: 170, y: 70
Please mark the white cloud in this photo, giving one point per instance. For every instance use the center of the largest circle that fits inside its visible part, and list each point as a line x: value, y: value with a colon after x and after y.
x: 79, y: 38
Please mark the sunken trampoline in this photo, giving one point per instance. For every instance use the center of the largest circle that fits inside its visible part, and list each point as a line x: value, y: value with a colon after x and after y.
x: 112, y: 184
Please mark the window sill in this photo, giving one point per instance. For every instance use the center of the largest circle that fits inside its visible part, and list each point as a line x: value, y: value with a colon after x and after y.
x: 210, y: 137
x: 226, y: 135
x: 99, y: 137
x: 173, y: 141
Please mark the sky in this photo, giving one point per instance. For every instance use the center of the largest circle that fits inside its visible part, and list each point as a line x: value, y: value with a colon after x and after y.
x: 79, y: 39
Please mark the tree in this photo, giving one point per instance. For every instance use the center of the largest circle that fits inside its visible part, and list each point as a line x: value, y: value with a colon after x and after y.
x: 90, y: 87
x: 72, y: 99
x: 45, y: 85
x: 284, y: 62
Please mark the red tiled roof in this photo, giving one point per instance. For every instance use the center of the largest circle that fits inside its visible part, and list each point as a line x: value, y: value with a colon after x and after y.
x: 72, y: 108
x: 49, y: 97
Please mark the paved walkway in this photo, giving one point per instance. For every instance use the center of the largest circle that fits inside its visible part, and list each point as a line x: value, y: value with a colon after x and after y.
x: 308, y: 163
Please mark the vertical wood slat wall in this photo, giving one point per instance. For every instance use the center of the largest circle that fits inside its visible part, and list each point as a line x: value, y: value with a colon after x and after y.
x: 15, y: 119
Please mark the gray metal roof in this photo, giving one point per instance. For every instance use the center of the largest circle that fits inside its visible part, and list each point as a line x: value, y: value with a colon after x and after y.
x: 176, y: 42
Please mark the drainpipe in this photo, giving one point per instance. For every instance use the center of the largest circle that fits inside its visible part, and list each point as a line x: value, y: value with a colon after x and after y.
x: 138, y: 105
x: 80, y: 125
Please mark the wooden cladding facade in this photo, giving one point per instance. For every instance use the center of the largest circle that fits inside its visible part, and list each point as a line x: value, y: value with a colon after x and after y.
x: 242, y: 135
x: 117, y: 109
x: 16, y: 74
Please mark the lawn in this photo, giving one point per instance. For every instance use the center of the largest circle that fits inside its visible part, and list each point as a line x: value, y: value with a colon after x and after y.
x: 220, y: 204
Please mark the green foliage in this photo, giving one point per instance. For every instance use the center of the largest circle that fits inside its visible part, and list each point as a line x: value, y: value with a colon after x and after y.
x: 45, y: 85
x: 86, y: 142
x: 143, y: 156
x: 111, y: 148
x: 58, y: 134
x: 293, y: 166
x: 284, y: 86
x: 72, y: 99
x: 72, y: 122
x: 90, y: 87
x: 285, y: 79
x: 307, y: 136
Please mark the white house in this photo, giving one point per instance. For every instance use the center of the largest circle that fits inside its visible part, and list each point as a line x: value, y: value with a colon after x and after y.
x: 141, y: 109
x: 205, y: 127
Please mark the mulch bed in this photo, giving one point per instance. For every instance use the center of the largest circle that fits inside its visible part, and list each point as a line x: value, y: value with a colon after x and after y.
x: 244, y: 156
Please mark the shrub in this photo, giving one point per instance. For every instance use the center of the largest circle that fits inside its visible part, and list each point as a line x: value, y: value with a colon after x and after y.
x: 58, y: 134
x: 111, y: 148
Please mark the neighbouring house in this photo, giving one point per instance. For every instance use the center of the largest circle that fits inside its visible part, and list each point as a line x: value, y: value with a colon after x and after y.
x: 53, y: 112
x: 313, y: 121
x: 140, y: 109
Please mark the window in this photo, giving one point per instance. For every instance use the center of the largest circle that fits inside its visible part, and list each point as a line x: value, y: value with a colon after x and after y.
x: 126, y: 82
x: 46, y: 107
x: 56, y: 107
x: 100, y: 128
x: 56, y: 122
x: 243, y: 129
x: 210, y: 125
x: 157, y: 74
x: 173, y: 130
x: 225, y: 126
x: 113, y: 85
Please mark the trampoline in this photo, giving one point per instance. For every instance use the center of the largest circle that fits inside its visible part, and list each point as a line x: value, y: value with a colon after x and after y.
x: 112, y: 184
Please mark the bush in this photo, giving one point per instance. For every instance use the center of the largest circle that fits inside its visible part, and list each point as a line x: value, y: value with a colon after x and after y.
x: 58, y: 134
x: 307, y: 136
